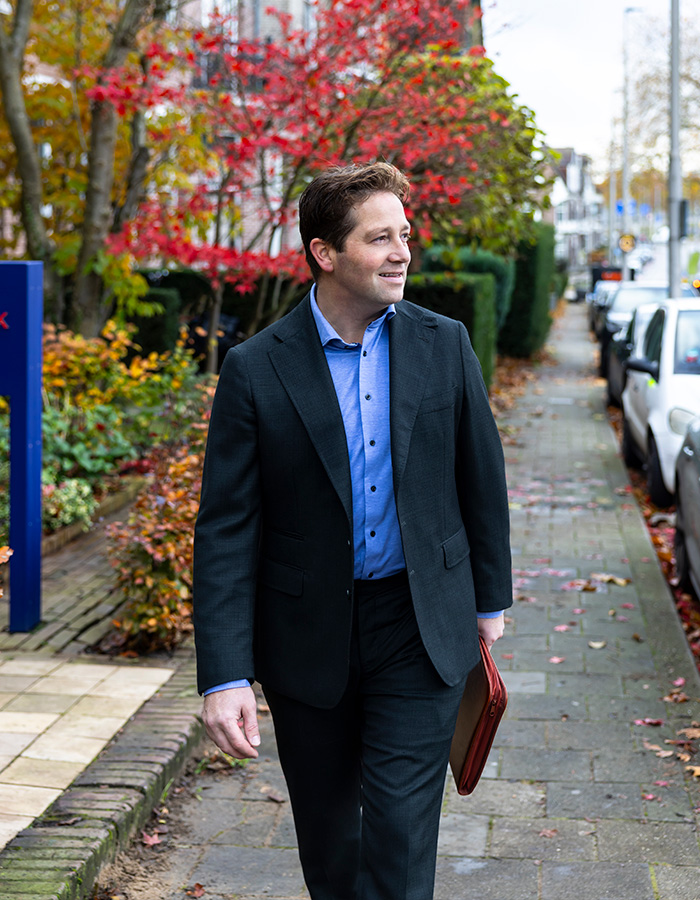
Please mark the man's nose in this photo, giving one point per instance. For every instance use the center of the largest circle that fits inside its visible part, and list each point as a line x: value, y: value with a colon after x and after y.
x: 401, y: 252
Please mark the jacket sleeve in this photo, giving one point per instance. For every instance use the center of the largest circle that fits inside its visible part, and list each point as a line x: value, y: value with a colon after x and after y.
x: 481, y: 483
x: 227, y: 533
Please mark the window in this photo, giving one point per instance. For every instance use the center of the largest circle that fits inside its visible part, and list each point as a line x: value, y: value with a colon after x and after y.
x: 687, y: 356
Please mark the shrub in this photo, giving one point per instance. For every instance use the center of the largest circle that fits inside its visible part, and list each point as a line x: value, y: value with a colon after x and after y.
x: 468, y: 298
x: 158, y: 333
x: 70, y: 501
x: 152, y: 551
x: 463, y: 259
x: 528, y: 322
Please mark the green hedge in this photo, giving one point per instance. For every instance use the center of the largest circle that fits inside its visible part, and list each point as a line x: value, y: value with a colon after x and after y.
x: 479, y: 262
x: 467, y: 298
x: 156, y: 334
x: 528, y: 322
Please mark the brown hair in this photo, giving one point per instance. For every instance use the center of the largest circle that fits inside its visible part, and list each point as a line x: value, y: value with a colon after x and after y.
x: 326, y: 206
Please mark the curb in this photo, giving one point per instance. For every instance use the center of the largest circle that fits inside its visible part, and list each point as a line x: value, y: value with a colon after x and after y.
x: 59, y: 856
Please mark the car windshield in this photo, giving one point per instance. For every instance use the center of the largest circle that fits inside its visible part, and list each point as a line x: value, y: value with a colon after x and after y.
x: 626, y: 300
x: 687, y: 356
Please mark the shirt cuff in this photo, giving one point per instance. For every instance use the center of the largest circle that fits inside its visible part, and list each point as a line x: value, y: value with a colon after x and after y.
x: 242, y: 682
x: 490, y: 615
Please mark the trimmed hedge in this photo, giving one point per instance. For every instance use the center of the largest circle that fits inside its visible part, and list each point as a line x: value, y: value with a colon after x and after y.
x: 158, y: 333
x: 467, y: 298
x: 479, y: 262
x: 528, y: 322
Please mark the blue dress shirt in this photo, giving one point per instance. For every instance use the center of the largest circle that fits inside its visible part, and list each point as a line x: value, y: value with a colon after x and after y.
x: 360, y: 374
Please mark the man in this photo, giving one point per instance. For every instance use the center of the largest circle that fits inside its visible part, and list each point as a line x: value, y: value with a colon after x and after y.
x: 353, y: 523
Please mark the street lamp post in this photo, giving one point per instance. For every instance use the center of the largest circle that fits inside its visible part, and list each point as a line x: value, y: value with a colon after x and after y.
x: 675, y: 182
x: 625, y: 138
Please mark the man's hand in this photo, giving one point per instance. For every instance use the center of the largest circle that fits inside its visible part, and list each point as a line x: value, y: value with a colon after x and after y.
x: 224, y: 713
x: 491, y: 629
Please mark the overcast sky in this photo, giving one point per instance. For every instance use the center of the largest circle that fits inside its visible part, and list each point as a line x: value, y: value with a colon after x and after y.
x: 564, y: 60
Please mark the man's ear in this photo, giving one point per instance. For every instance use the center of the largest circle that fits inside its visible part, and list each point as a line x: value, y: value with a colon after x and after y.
x: 323, y: 254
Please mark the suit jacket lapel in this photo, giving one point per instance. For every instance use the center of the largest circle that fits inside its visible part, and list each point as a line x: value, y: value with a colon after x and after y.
x: 301, y: 366
x: 411, y: 339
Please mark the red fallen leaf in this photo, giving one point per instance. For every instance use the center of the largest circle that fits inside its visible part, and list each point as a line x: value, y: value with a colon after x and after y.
x: 549, y: 832
x: 543, y: 561
x: 662, y: 783
x: 507, y: 655
x: 627, y: 605
x: 557, y: 659
x: 578, y: 611
x: 561, y: 628
x: 648, y: 721
x: 650, y: 797
x: 679, y: 682
x: 150, y: 839
x: 197, y: 891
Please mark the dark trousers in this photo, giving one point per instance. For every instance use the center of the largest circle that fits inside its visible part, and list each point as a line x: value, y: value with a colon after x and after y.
x: 366, y: 778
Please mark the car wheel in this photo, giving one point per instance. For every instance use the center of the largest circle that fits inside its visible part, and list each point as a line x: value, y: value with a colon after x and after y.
x: 630, y: 457
x: 658, y: 492
x: 682, y: 563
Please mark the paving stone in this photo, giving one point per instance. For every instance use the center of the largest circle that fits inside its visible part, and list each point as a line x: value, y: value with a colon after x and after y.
x: 462, y: 878
x: 593, y: 801
x: 677, y: 882
x: 652, y: 842
x: 249, y: 870
x: 500, y: 798
x: 550, y: 838
x: 546, y: 765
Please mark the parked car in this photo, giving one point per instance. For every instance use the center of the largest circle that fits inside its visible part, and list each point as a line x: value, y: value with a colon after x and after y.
x: 624, y: 344
x: 598, y: 301
x: 617, y: 316
x: 662, y: 394
x: 687, y: 539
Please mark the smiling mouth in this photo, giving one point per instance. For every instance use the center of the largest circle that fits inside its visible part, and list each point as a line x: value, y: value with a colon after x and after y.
x: 391, y: 274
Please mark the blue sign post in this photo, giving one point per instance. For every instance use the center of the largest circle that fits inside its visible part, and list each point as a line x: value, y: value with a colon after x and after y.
x: 21, y: 313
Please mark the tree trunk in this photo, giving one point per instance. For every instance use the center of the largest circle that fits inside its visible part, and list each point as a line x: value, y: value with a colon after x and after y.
x: 12, y: 49
x: 88, y: 309
x: 213, y: 337
x: 474, y: 33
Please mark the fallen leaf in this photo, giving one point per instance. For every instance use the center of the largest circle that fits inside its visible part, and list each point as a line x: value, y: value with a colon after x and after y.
x: 561, y: 628
x: 654, y: 723
x: 650, y: 797
x: 691, y: 732
x: 557, y: 659
x: 196, y: 891
x: 150, y: 839
x: 549, y: 832
x: 648, y: 746
x: 676, y: 696
x: 679, y: 682
x: 578, y: 611
x: 638, y: 638
x: 694, y: 771
x: 507, y: 655
x: 605, y: 578
x: 662, y: 783
x: 72, y: 821
x: 665, y: 754
x: 628, y: 605
x: 276, y: 797
x: 597, y: 645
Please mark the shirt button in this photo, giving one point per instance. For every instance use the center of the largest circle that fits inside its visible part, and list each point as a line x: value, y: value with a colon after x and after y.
x: 373, y: 488
x: 368, y: 396
x: 372, y: 443
x: 371, y: 575
x: 364, y: 353
x: 372, y: 533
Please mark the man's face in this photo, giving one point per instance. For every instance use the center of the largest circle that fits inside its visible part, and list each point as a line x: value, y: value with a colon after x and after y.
x: 370, y: 271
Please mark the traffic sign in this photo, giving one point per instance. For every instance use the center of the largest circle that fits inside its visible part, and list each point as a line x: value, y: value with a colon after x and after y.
x: 627, y: 243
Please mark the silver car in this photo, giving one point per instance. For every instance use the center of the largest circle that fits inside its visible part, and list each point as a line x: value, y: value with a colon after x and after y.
x: 687, y: 540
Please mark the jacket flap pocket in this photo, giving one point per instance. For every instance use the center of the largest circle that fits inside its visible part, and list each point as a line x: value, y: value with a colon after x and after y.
x: 455, y: 548
x: 281, y: 577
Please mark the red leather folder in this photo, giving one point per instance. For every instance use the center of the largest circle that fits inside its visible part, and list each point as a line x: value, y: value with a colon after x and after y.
x: 482, y: 707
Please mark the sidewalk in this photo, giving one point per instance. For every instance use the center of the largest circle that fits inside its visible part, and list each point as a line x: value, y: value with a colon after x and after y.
x: 578, y: 801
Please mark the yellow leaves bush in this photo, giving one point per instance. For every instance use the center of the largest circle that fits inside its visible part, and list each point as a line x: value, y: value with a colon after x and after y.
x: 152, y: 551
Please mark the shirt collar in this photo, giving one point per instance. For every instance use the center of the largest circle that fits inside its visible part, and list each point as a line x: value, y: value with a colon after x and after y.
x: 327, y: 332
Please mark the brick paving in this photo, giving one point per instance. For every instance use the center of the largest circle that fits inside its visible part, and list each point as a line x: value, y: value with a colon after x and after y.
x: 578, y: 800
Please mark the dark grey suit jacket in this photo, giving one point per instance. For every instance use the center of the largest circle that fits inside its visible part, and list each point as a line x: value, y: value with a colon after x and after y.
x: 273, y: 572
